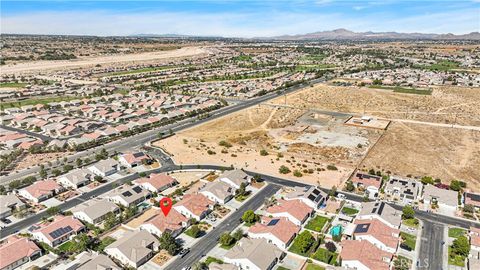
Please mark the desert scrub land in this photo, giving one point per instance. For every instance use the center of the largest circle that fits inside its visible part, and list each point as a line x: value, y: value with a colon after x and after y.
x: 445, y: 105
x: 419, y: 150
x: 293, y: 143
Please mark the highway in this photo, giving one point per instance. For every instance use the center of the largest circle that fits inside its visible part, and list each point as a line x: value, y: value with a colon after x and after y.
x: 142, y: 138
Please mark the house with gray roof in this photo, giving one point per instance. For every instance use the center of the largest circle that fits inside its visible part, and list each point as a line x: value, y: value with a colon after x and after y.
x: 402, y: 190
x: 254, y: 254
x: 381, y: 211
x: 235, y: 178
x: 95, y: 211
x: 89, y: 260
x: 446, y: 200
x: 75, y: 178
x: 127, y: 195
x: 218, y: 191
x: 8, y: 204
x: 134, y: 248
x: 310, y: 195
x: 104, y: 167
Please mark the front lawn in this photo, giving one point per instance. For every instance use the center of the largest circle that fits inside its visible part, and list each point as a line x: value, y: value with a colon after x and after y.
x: 282, y: 268
x: 411, y: 222
x: 349, y: 211
x: 456, y: 232
x: 241, y: 198
x: 455, y: 259
x: 409, y: 240
x: 300, y: 242
x: 317, y: 223
x: 312, y: 266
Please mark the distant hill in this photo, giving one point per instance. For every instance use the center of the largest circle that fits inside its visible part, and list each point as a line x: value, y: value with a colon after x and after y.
x: 344, y: 34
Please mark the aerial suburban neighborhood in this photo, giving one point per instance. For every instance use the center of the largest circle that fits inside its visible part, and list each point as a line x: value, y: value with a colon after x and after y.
x: 237, y: 145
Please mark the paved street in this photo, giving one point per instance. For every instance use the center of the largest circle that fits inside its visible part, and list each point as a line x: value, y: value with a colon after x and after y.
x: 431, y: 249
x: 210, y: 240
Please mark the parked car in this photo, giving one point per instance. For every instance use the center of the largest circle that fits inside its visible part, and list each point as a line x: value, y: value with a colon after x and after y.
x: 183, y: 252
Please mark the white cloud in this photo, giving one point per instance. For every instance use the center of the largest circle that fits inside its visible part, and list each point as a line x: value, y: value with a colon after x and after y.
x: 241, y: 24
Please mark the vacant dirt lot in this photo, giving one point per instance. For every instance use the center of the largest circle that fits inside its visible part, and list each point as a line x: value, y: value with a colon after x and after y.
x: 420, y: 150
x: 443, y: 106
x: 264, y: 138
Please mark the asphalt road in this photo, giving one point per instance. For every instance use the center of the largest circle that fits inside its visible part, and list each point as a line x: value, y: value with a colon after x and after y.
x: 431, y: 248
x: 33, y: 134
x: 142, y: 138
x: 210, y: 240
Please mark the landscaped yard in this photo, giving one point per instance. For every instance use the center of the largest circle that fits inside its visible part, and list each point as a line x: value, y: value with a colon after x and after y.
x: 12, y: 85
x: 455, y: 259
x: 411, y: 222
x: 325, y: 256
x: 210, y: 260
x: 317, y: 223
x: 105, y: 242
x: 456, y: 232
x: 349, y: 211
x: 312, y: 266
x: 409, y: 240
x: 66, y: 247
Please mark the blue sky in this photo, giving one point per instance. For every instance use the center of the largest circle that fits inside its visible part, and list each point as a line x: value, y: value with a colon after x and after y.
x: 237, y: 18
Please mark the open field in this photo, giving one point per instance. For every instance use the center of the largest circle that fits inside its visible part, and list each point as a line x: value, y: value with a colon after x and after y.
x: 420, y: 150
x: 444, y: 105
x: 91, y: 61
x: 314, y: 147
x: 35, y: 159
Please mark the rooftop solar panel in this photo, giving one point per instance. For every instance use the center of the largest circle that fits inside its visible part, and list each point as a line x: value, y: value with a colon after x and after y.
x: 127, y: 194
x: 362, y: 228
x: 137, y: 189
x: 273, y: 222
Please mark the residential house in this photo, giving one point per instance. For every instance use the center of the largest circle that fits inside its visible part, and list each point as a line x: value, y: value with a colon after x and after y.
x: 310, y: 195
x: 403, y: 190
x: 363, y: 255
x: 194, y: 206
x: 254, y: 254
x: 16, y: 251
x: 235, y: 178
x: 370, y: 183
x: 88, y: 260
x: 41, y: 190
x: 60, y: 230
x: 95, y: 211
x: 127, y: 196
x: 104, y: 168
x: 278, y: 231
x: 472, y: 199
x: 156, y: 182
x: 174, y: 223
x: 223, y: 266
x: 295, y: 210
x: 446, y: 200
x: 131, y: 160
x: 134, y: 248
x: 75, y: 178
x: 8, y: 204
x: 381, y: 211
x: 218, y: 191
x: 377, y: 233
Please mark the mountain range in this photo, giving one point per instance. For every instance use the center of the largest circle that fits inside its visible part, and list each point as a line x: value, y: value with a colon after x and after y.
x: 344, y: 34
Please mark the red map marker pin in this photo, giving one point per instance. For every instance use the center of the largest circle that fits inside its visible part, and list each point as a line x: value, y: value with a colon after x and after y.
x: 166, y: 205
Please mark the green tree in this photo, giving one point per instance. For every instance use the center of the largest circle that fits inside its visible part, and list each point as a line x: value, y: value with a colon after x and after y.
x: 250, y: 217
x: 226, y: 239
x: 79, y: 162
x: 263, y: 152
x: 284, y: 169
x: 110, y: 221
x: 168, y: 243
x: 427, y: 180
x: 238, y: 234
x: 350, y: 187
x: 53, y: 210
x: 408, y: 212
x: 457, y: 185
x: 242, y: 190
x: 195, y: 231
x: 461, y: 246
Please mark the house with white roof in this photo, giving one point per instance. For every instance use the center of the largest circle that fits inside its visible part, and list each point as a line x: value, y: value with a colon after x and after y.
x: 75, y: 178
x: 218, y: 191
x: 310, y: 195
x: 104, y: 168
x: 95, y: 211
x: 254, y: 254
x: 235, y: 178
x: 133, y: 249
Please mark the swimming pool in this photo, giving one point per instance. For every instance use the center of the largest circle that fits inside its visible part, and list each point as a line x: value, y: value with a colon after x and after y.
x: 336, y: 230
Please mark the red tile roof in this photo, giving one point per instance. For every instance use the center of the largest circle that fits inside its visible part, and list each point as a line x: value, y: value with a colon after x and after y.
x: 366, y: 253
x: 40, y: 188
x: 157, y: 180
x: 296, y: 208
x: 380, y: 231
x: 16, y: 248
x: 173, y: 221
x: 195, y: 203
x: 281, y: 228
x: 58, y: 223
